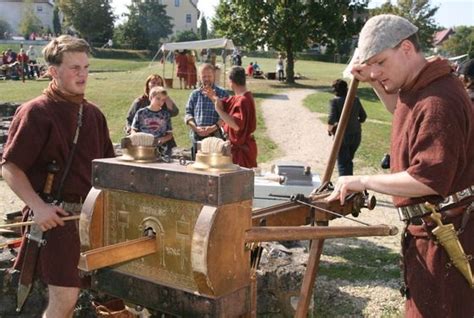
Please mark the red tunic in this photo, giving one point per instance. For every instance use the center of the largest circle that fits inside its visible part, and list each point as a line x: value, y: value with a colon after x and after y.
x: 244, y: 147
x: 42, y: 130
x: 181, y: 65
x: 433, y: 140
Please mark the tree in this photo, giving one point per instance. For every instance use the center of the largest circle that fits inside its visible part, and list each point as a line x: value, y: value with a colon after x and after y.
x: 56, y: 20
x: 288, y: 25
x: 30, y: 22
x: 461, y: 42
x: 187, y: 35
x: 146, y: 26
x: 203, y: 28
x: 4, y: 28
x: 418, y: 12
x: 92, y: 19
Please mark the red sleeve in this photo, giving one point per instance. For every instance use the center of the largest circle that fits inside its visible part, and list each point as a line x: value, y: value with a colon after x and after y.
x: 27, y: 136
x: 437, y: 147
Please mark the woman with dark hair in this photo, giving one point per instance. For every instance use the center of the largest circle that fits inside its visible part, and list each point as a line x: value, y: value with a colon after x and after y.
x: 153, y: 80
x: 353, y: 133
x: 238, y: 114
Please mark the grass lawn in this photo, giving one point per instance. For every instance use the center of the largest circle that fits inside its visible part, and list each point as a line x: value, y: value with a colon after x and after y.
x: 114, y: 84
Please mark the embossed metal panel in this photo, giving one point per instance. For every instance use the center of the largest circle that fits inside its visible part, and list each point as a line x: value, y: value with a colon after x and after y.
x: 130, y: 215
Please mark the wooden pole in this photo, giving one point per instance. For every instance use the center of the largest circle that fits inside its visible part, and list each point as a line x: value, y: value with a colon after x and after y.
x: 118, y: 253
x: 317, y: 246
x: 19, y: 224
x: 295, y: 233
x: 341, y: 129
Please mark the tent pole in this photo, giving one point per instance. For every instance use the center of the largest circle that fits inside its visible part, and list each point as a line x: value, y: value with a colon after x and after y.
x: 164, y: 62
x: 172, y: 68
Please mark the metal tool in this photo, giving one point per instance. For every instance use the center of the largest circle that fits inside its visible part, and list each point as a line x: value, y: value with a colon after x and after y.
x: 35, y: 241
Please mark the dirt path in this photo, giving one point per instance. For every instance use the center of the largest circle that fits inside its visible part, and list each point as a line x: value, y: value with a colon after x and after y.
x: 297, y: 131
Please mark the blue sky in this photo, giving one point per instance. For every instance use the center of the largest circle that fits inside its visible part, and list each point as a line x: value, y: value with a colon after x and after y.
x: 450, y: 12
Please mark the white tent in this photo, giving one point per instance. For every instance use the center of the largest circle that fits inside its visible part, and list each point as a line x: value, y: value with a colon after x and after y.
x: 222, y: 43
x: 199, y: 45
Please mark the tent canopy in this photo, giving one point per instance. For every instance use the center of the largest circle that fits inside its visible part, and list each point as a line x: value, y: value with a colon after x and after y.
x: 199, y: 45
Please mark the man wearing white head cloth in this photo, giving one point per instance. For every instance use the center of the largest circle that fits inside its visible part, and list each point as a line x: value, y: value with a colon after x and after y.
x: 432, y: 160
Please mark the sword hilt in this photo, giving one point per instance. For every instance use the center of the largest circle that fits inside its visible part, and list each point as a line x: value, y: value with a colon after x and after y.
x: 52, y: 169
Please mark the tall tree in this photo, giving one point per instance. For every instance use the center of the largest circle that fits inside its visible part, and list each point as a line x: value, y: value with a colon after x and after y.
x: 56, y: 20
x: 30, y: 22
x: 4, y: 29
x: 461, y: 42
x: 187, y: 35
x: 203, y: 28
x: 93, y: 19
x: 418, y: 12
x: 288, y: 25
x: 146, y: 26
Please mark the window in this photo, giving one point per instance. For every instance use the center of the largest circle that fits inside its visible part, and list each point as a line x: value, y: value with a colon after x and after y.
x: 188, y: 18
x: 176, y: 3
x: 39, y: 8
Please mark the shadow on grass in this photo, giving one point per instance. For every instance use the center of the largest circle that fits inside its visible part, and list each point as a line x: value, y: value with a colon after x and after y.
x: 367, y: 93
x: 300, y: 86
x: 355, y: 259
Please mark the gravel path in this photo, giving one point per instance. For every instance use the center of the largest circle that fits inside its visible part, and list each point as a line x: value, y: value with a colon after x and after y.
x: 302, y: 137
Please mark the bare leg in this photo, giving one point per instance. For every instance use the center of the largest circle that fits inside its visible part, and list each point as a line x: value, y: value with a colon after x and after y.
x: 62, y: 301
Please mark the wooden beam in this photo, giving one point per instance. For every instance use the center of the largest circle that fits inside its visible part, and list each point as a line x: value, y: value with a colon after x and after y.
x: 118, y: 253
x: 291, y: 233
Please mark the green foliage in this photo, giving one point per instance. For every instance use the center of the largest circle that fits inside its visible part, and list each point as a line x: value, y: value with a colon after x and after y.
x: 418, y: 12
x: 4, y: 27
x: 93, y: 19
x: 461, y: 42
x: 187, y: 35
x: 146, y: 26
x: 203, y: 28
x: 288, y: 26
x: 30, y: 22
x: 56, y: 20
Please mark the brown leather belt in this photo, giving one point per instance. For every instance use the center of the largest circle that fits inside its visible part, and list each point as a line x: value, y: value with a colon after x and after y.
x: 419, y: 210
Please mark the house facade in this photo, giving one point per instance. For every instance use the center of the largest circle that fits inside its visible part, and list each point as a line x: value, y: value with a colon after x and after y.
x: 12, y: 12
x: 184, y: 14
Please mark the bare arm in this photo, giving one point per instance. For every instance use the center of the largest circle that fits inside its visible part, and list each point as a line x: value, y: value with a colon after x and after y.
x: 171, y: 105
x: 229, y: 120
x: 45, y: 215
x: 397, y: 184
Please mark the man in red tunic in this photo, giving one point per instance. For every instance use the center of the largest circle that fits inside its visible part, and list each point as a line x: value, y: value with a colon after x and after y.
x: 432, y: 156
x: 43, y: 131
x: 238, y: 114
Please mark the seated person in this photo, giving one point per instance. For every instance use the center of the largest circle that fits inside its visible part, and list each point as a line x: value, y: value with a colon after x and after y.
x: 155, y: 119
x: 144, y: 100
x: 257, y: 71
x: 249, y: 70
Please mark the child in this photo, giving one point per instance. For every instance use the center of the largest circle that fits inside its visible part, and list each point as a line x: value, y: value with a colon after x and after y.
x: 156, y: 119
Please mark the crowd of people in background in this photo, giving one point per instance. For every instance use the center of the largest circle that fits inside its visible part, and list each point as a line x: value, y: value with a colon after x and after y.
x: 23, y: 64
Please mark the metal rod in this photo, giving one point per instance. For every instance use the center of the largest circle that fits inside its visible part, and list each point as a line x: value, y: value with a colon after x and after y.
x: 295, y: 233
x: 19, y: 224
x: 332, y: 212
